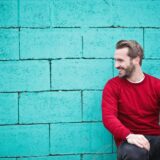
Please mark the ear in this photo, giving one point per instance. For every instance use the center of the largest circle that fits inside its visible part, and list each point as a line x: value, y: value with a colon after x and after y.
x: 137, y: 60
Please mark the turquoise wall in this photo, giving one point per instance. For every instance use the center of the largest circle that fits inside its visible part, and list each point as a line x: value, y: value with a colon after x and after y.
x: 55, y: 57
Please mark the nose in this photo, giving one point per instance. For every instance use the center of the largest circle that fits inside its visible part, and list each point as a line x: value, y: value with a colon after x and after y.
x: 116, y: 64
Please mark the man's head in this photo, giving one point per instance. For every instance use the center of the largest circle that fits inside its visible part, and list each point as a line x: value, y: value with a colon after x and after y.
x: 128, y: 56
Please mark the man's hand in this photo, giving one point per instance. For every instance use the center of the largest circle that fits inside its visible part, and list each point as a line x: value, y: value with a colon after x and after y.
x: 138, y: 140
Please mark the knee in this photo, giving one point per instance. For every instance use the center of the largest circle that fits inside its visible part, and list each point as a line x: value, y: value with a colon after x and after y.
x: 139, y: 154
x: 132, y: 152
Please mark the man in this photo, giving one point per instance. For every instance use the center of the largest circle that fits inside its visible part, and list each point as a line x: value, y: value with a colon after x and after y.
x: 131, y: 105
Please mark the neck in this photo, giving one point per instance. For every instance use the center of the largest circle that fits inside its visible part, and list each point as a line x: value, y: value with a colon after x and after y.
x: 137, y: 76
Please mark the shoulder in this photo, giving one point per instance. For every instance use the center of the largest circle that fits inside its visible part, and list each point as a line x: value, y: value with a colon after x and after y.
x: 113, y: 87
x: 154, y: 80
x: 113, y: 83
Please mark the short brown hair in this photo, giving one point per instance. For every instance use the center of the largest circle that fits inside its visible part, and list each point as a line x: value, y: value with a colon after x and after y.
x: 134, y: 47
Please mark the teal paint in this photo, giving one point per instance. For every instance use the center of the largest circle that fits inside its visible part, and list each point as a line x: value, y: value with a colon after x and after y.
x: 55, y: 58
x: 151, y: 67
x: 92, y: 105
x: 152, y: 43
x: 50, y: 107
x: 81, y: 13
x: 106, y: 13
x: 8, y: 108
x: 7, y: 158
x: 65, y: 157
x: 9, y: 46
x: 100, y: 43
x: 8, y: 13
x: 50, y: 43
x: 100, y: 157
x: 80, y: 138
x: 24, y: 75
x: 136, y: 13
x: 22, y: 140
x: 80, y: 74
x: 34, y: 14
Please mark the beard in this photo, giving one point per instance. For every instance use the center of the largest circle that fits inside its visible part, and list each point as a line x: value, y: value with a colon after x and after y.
x: 126, y: 72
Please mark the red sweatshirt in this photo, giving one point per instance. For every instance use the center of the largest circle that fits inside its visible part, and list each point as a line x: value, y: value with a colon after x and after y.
x: 131, y: 107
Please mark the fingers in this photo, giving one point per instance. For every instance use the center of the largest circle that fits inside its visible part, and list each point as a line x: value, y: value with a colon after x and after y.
x: 144, y: 142
x: 137, y: 143
x: 139, y: 140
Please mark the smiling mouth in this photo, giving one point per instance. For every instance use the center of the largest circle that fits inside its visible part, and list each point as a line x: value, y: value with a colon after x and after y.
x: 120, y: 70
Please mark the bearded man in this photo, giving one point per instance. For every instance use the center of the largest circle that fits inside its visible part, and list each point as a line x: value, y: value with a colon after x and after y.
x: 131, y: 105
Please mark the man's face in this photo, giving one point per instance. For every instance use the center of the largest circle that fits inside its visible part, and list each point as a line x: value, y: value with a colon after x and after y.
x: 123, y: 63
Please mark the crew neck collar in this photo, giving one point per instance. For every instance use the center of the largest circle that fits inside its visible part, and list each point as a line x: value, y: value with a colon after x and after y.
x: 138, y: 82
x: 141, y: 80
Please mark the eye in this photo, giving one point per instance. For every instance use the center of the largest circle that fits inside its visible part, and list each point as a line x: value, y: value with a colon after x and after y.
x: 120, y: 60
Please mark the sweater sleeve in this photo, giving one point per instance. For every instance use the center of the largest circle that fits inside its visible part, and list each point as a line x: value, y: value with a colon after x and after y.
x: 110, y: 112
x: 158, y: 90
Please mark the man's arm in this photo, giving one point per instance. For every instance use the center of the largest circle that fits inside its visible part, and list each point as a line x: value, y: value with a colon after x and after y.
x: 111, y: 121
x: 158, y: 90
x: 138, y: 140
x: 110, y: 112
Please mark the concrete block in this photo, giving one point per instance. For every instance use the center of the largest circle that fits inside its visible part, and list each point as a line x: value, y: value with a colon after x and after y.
x: 80, y: 138
x: 8, y: 108
x: 9, y: 46
x: 24, y: 75
x: 28, y: 140
x: 61, y: 157
x: 34, y: 13
x: 80, y: 74
x: 50, y: 43
x: 152, y: 43
x: 100, y: 43
x: 92, y: 105
x: 50, y: 106
x: 8, y: 13
x: 136, y: 13
x: 81, y: 13
x: 111, y: 156
x: 151, y: 67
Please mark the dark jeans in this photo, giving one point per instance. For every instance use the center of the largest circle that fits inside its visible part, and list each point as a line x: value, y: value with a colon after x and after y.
x: 128, y: 151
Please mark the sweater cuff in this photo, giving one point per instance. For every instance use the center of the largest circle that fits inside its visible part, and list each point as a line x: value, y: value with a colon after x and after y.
x: 126, y: 135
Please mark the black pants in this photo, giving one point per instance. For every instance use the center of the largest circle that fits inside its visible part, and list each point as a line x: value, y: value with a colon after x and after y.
x: 128, y: 151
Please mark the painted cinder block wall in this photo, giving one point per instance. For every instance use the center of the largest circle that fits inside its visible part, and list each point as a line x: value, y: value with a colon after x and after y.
x: 55, y: 58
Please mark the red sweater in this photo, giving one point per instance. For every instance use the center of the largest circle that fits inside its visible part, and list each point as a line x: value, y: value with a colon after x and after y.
x: 131, y: 107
